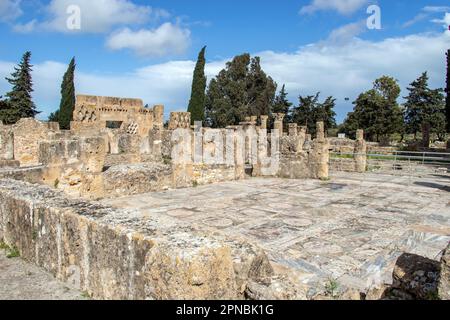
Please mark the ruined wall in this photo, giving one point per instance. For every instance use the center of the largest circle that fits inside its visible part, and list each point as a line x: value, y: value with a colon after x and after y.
x: 128, y: 179
x: 28, y: 133
x: 180, y: 120
x: 119, y: 254
x: 349, y: 155
x: 7, y: 147
x: 207, y: 174
x: 301, y: 158
x: 93, y: 113
x: 75, y: 165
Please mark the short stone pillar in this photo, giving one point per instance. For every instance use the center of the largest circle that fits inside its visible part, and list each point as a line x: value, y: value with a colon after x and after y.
x: 253, y: 120
x: 6, y: 144
x: 293, y: 129
x: 158, y: 117
x: 360, y: 152
x: 278, y: 124
x: 264, y: 120
x: 320, y: 131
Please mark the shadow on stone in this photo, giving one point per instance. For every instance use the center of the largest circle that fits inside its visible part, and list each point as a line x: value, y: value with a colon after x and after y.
x: 433, y: 185
x: 414, y: 278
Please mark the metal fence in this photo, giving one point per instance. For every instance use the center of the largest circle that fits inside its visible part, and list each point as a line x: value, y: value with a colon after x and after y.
x: 401, y: 162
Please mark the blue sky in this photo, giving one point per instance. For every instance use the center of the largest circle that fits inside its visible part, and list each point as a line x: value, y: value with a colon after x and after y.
x: 147, y: 49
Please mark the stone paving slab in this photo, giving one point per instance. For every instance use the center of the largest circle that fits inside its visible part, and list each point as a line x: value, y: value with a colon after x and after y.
x: 351, y: 228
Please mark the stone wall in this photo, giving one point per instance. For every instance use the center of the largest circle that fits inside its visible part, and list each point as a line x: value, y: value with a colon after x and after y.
x: 28, y: 133
x: 6, y: 143
x: 349, y: 155
x: 128, y: 179
x: 208, y: 174
x: 302, y: 159
x: 74, y: 166
x: 180, y: 120
x: 94, y: 113
x: 118, y: 254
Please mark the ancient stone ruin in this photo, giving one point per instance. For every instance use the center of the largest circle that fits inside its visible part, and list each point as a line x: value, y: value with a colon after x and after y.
x: 57, y: 188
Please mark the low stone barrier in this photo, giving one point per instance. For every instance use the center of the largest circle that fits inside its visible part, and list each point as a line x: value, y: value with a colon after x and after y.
x: 120, y: 254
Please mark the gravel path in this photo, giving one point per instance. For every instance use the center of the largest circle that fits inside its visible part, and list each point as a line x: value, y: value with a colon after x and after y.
x: 20, y: 280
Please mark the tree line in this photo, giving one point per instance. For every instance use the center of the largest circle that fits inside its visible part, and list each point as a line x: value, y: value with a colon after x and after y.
x: 18, y: 103
x: 243, y: 89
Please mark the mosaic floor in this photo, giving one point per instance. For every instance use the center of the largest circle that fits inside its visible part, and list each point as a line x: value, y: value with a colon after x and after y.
x: 350, y: 229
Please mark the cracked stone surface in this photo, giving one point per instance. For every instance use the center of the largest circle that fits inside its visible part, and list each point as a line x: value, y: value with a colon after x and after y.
x: 351, y: 229
x: 20, y: 280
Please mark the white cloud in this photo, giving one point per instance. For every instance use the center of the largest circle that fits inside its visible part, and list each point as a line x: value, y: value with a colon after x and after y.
x: 341, y: 6
x: 436, y: 9
x: 343, y: 70
x: 9, y: 10
x: 347, y: 32
x: 444, y: 21
x: 166, y: 39
x: 97, y: 16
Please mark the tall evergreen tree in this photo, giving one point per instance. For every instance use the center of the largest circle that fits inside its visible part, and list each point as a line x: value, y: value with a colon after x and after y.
x: 282, y: 105
x: 447, y: 101
x: 19, y: 98
x: 67, y: 105
x: 425, y: 105
x: 197, y: 101
x: 241, y: 89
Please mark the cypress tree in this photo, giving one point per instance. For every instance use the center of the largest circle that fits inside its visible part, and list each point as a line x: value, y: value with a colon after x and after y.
x: 67, y: 105
x: 197, y: 101
x: 447, y: 101
x: 19, y: 98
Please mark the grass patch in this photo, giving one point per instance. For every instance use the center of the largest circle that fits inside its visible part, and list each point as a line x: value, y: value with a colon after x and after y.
x: 331, y: 288
x: 56, y: 183
x: 11, y: 252
x: 195, y: 183
x: 167, y: 160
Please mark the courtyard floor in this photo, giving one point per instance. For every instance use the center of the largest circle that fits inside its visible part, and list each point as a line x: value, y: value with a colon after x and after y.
x: 350, y: 229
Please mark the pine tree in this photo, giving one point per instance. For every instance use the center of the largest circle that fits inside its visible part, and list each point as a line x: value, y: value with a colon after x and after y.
x: 197, y: 101
x: 282, y: 105
x: 19, y: 98
x: 65, y: 113
x: 447, y: 101
x: 241, y: 89
x: 425, y: 105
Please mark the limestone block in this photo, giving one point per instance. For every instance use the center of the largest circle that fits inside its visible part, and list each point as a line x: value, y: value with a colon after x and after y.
x: 6, y: 143
x: 93, y: 153
x: 54, y: 126
x: 28, y: 133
